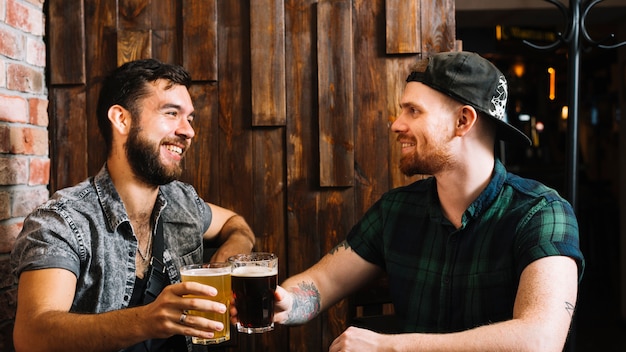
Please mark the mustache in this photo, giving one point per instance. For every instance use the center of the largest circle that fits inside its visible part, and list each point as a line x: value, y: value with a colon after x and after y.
x: 182, y: 142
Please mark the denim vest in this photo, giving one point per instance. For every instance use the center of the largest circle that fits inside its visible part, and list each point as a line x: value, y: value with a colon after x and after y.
x: 85, y: 229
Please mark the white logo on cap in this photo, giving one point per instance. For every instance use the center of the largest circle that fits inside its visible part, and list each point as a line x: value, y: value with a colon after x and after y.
x: 499, y: 99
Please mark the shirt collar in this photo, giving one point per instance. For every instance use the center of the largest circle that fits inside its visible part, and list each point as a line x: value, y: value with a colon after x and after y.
x: 489, y: 194
x: 111, y: 202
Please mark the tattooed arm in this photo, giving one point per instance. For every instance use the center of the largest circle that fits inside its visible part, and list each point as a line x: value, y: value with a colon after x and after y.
x: 305, y: 304
x: 338, y: 274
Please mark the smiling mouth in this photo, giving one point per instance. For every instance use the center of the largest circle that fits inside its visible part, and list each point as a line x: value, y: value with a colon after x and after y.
x: 174, y: 149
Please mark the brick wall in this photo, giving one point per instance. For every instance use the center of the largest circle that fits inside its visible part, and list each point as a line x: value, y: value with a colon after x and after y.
x: 24, y: 159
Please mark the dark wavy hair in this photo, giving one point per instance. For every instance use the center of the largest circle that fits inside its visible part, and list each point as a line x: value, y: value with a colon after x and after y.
x: 128, y: 84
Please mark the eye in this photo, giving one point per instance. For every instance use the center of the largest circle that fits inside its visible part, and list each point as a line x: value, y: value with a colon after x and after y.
x: 170, y: 113
x: 411, y: 110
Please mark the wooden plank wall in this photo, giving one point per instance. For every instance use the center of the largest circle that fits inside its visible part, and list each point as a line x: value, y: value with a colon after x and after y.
x: 294, y: 102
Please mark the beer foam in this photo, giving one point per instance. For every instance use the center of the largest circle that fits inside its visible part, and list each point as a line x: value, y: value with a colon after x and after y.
x: 254, y: 271
x: 205, y: 272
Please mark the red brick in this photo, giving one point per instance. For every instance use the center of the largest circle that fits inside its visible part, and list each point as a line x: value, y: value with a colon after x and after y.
x: 24, y: 78
x: 13, y: 109
x: 5, y: 205
x: 39, y: 142
x: 9, y: 231
x: 38, y: 3
x: 38, y: 109
x: 5, y: 139
x: 11, y: 43
x: 26, y: 200
x: 3, y: 75
x: 36, y: 52
x: 29, y: 140
x: 39, y: 172
x: 13, y: 171
x: 25, y: 18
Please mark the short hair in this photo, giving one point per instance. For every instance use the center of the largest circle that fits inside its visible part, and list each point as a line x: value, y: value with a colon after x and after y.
x: 127, y: 85
x: 419, y: 66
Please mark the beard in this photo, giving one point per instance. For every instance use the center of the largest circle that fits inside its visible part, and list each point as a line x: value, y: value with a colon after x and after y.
x: 428, y: 163
x: 143, y: 157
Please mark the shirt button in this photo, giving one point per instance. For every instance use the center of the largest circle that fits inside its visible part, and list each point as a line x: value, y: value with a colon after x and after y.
x: 130, y: 254
x: 126, y: 298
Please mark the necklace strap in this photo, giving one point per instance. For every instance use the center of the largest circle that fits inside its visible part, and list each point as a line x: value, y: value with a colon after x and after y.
x: 148, y: 249
x: 157, y: 279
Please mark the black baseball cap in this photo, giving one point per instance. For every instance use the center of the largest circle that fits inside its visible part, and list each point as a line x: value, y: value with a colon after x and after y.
x: 472, y: 80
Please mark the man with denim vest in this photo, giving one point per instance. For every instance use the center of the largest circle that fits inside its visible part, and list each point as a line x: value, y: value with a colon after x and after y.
x: 98, y: 263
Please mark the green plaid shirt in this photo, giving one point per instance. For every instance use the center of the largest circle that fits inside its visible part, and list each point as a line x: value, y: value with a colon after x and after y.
x: 444, y: 279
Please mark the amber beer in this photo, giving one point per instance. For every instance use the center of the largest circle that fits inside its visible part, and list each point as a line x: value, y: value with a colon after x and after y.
x: 216, y: 275
x: 254, y: 279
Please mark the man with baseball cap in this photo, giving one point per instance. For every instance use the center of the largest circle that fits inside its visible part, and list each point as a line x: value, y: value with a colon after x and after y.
x: 477, y: 259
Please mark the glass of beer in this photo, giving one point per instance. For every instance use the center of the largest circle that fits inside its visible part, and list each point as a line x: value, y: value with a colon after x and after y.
x: 254, y: 278
x: 218, y: 276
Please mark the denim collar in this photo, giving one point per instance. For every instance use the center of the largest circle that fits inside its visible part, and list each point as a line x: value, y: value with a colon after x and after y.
x: 111, y: 202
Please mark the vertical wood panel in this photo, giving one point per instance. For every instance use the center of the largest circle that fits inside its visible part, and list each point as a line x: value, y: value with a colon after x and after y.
x: 201, y: 164
x: 335, y: 91
x: 402, y: 26
x: 166, y: 44
x: 69, y: 134
x: 371, y: 117
x: 67, y: 42
x: 101, y: 58
x: 235, y: 138
x: 199, y: 30
x: 268, y: 198
x: 438, y: 29
x: 303, y: 232
x: 133, y: 45
x: 134, y: 14
x: 267, y: 40
x: 166, y: 14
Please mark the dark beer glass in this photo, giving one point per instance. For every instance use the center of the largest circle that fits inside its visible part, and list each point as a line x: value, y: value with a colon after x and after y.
x: 254, y: 279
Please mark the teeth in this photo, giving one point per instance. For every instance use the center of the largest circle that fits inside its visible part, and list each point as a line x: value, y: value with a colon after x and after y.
x: 174, y: 149
x: 406, y: 145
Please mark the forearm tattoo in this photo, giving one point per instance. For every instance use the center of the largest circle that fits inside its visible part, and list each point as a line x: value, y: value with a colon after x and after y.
x: 344, y: 244
x: 306, y: 303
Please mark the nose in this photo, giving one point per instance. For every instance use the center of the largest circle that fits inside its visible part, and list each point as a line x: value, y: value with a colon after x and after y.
x: 185, y: 129
x: 397, y: 124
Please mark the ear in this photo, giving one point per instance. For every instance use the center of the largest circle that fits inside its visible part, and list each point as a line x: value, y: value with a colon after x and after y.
x: 120, y: 119
x: 466, y: 118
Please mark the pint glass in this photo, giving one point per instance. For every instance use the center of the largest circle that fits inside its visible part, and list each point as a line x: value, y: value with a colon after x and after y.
x: 254, y: 278
x: 218, y: 276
